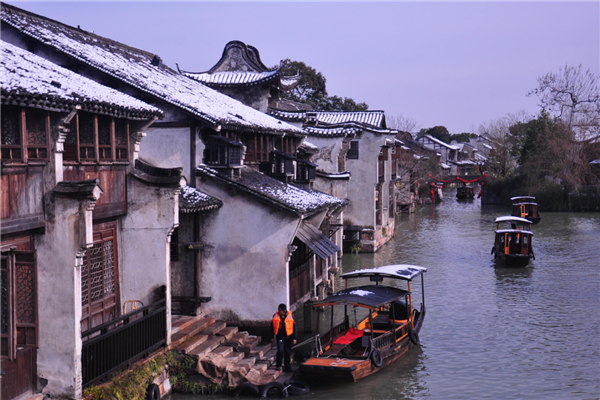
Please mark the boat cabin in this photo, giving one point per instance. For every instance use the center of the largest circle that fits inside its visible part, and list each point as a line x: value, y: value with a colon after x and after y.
x: 465, y: 191
x: 525, y: 207
x: 380, y: 324
x: 513, y: 239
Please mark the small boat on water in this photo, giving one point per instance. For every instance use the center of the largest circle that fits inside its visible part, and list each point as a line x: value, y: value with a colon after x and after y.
x: 525, y: 207
x: 513, y: 239
x: 465, y: 191
x: 352, y: 351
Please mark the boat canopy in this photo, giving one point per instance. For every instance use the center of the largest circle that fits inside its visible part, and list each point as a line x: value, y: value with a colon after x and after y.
x: 512, y: 218
x: 397, y: 271
x: 367, y: 296
x: 518, y: 198
x: 514, y: 231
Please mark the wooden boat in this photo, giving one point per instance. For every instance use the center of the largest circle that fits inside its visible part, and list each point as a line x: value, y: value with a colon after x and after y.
x: 465, y: 191
x: 525, y: 207
x: 353, y: 351
x: 513, y: 241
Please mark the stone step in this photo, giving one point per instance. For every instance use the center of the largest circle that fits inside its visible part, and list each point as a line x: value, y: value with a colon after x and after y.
x: 207, y: 347
x: 211, y: 329
x: 228, y: 332
x: 260, y: 367
x: 261, y: 350
x: 249, y: 345
x: 180, y: 322
x: 223, y: 350
x: 270, y: 356
x: 234, y: 357
x: 189, y: 345
x: 191, y: 330
x: 246, y: 363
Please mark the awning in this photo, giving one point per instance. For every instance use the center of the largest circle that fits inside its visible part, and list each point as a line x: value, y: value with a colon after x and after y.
x: 370, y: 296
x: 316, y: 241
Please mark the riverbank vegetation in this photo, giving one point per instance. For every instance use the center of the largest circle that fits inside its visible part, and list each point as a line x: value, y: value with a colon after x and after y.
x: 555, y: 155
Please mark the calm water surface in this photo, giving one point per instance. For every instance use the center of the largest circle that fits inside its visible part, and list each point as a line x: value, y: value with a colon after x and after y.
x: 490, y: 332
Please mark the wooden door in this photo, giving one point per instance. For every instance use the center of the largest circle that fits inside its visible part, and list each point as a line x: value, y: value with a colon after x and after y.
x: 100, y: 279
x: 18, y: 322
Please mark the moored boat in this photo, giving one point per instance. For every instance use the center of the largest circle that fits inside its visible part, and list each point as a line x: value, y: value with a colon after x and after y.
x: 352, y: 351
x: 525, y: 207
x: 512, y: 243
x: 465, y: 191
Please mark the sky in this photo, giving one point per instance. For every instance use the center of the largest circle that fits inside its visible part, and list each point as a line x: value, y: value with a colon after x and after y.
x: 455, y: 64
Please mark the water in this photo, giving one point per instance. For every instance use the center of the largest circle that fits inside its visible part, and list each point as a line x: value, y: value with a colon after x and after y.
x: 490, y: 332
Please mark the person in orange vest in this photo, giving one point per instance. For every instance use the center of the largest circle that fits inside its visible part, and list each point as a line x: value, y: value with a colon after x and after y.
x: 284, y: 335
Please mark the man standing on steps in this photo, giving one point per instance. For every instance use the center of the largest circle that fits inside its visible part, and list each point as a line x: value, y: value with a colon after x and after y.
x: 284, y: 335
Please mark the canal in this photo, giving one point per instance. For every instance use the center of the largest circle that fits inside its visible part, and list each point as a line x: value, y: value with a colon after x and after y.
x: 490, y: 332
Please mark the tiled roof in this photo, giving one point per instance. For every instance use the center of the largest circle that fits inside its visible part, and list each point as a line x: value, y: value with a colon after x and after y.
x: 31, y: 81
x: 374, y: 118
x: 144, y: 71
x: 440, y: 143
x: 192, y: 200
x: 240, y: 65
x: 332, y: 131
x: 283, y: 196
x: 164, y: 177
x: 233, y: 78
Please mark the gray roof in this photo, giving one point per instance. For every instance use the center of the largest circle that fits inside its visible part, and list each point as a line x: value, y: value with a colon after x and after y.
x: 144, y: 71
x: 162, y: 177
x: 284, y: 196
x: 240, y: 65
x: 193, y: 200
x: 375, y: 118
x: 31, y: 81
x: 369, y: 296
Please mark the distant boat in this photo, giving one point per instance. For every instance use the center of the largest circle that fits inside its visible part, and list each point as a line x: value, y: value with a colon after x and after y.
x: 465, y: 191
x: 354, y: 349
x: 512, y: 243
x: 525, y: 207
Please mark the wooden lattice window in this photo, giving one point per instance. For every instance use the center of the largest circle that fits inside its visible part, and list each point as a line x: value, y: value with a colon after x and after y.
x: 25, y: 134
x: 96, y: 138
x: 99, y: 278
x: 18, y: 302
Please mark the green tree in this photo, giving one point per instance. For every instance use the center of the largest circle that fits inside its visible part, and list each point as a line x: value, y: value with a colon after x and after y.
x: 311, y: 89
x: 439, y: 132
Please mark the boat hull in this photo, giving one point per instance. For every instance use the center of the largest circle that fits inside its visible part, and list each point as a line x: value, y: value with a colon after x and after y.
x: 323, y: 369
x: 514, y: 260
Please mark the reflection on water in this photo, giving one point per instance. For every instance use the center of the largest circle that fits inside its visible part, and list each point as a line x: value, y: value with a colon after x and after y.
x: 491, y: 332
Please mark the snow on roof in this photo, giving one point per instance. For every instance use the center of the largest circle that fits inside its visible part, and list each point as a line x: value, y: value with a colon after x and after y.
x: 439, y: 142
x: 309, y: 145
x: 522, y: 198
x: 372, y: 118
x: 144, y: 71
x: 445, y: 166
x: 332, y: 131
x: 233, y: 78
x: 31, y: 80
x: 192, y: 200
x: 287, y: 197
x: 595, y: 161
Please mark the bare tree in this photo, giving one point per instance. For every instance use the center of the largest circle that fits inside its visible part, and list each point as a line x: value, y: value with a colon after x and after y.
x: 574, y: 96
x: 502, y: 157
x: 401, y: 123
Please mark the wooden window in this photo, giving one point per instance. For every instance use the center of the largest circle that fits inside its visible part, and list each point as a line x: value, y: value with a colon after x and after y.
x: 25, y: 134
x: 18, y: 302
x: 99, y: 278
x: 96, y: 138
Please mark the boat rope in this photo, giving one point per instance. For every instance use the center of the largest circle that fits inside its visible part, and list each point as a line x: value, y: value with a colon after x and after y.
x: 305, y: 342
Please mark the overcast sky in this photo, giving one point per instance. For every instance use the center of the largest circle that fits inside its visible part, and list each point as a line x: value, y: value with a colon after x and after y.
x: 456, y: 64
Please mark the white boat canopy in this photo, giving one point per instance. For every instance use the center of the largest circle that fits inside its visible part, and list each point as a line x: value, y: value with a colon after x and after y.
x: 397, y: 271
x: 522, y: 198
x: 514, y: 231
x: 512, y: 218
